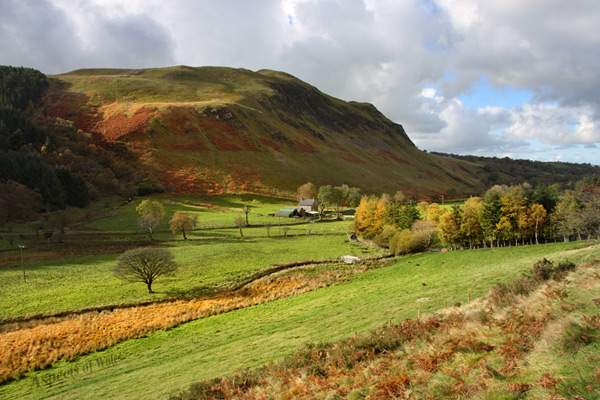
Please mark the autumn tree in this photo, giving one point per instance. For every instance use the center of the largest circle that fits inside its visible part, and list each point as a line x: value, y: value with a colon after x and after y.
x: 538, y: 214
x: 400, y: 197
x: 423, y: 207
x: 512, y: 203
x: 307, y: 191
x: 449, y: 229
x: 369, y: 217
x: 145, y: 265
x: 151, y: 213
x: 568, y: 216
x: 18, y: 202
x: 470, y: 225
x: 434, y: 212
x: 181, y: 221
x: 547, y: 196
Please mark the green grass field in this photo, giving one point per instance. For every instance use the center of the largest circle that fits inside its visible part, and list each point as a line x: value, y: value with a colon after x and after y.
x: 250, y: 337
x: 260, y: 206
x: 206, y: 264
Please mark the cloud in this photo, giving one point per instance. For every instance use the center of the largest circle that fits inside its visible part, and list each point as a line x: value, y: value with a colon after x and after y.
x: 58, y: 37
x: 549, y: 47
x: 36, y: 34
x: 554, y: 125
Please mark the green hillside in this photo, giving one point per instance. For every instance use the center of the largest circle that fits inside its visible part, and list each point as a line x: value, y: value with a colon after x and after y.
x: 219, y: 130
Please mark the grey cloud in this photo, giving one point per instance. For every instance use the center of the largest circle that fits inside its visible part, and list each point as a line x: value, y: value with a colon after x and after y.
x: 36, y: 34
x: 134, y: 41
x: 549, y: 47
x: 40, y: 35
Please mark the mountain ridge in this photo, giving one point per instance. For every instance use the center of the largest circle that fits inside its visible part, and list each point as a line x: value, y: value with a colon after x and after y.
x: 217, y: 129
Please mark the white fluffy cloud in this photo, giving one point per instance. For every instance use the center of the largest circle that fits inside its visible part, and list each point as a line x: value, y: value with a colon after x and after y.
x: 413, y: 59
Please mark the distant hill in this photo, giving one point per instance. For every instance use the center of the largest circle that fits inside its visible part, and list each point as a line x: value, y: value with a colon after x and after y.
x: 216, y: 130
x: 506, y: 171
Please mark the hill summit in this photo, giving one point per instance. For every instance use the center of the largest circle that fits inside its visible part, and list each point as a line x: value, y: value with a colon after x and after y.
x: 216, y: 130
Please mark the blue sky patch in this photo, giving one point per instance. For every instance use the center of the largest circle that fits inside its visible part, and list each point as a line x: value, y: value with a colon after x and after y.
x: 482, y: 94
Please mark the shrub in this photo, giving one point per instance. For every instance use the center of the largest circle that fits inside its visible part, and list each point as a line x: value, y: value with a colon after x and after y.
x: 499, y: 294
x: 522, y: 286
x: 383, y: 239
x: 202, y: 390
x: 563, y: 269
x: 406, y: 242
x: 542, y: 270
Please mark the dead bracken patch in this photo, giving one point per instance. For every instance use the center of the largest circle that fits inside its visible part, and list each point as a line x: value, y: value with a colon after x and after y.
x: 41, y: 345
x: 119, y: 124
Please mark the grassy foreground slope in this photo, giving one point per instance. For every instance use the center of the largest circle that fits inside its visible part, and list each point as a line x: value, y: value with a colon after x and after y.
x: 248, y: 338
x: 536, y: 338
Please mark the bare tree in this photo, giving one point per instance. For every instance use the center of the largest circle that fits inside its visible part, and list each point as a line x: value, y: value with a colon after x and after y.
x: 268, y: 227
x: 145, y: 265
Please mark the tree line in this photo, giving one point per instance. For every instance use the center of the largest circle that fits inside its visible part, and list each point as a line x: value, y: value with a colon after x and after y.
x: 519, y: 214
x: 46, y: 164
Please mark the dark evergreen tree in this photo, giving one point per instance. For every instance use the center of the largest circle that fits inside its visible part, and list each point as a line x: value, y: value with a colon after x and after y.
x: 76, y: 191
x: 21, y: 87
x: 546, y: 196
x: 491, y: 213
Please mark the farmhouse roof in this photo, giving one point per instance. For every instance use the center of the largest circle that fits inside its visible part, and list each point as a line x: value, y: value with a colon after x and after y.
x: 307, y: 202
x: 285, y: 212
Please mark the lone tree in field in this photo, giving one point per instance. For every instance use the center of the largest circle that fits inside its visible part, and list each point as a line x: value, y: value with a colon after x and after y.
x: 144, y: 264
x: 181, y: 221
x: 239, y: 222
x: 246, y: 211
x: 151, y: 213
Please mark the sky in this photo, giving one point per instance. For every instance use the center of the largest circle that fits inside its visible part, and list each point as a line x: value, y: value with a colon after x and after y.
x: 516, y: 78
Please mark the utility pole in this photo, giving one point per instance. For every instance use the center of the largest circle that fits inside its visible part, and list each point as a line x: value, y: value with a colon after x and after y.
x: 22, y: 264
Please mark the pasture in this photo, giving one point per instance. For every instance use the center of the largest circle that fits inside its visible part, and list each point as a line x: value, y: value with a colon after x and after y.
x: 250, y: 337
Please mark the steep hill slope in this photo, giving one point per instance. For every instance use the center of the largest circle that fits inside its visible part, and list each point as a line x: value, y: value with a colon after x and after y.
x: 215, y: 130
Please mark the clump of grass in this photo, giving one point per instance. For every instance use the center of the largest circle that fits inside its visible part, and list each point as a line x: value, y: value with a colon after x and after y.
x: 574, y: 336
x: 542, y: 271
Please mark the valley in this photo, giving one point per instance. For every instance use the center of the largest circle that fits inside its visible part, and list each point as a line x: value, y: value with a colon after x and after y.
x: 203, y: 172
